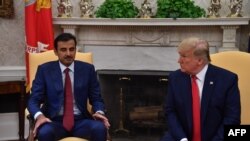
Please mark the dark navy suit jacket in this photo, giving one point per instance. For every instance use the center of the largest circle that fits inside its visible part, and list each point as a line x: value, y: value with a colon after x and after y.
x: 220, y: 104
x: 47, y: 88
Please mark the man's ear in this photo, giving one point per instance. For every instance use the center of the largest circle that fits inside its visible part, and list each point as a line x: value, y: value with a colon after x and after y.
x: 201, y: 61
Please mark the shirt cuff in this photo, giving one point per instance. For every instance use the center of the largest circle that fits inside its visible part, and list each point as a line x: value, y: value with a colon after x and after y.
x: 37, y: 114
x: 184, y: 139
x: 100, y: 112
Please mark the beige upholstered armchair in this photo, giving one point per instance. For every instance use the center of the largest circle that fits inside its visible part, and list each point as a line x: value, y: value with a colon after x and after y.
x: 36, y: 59
x: 239, y: 63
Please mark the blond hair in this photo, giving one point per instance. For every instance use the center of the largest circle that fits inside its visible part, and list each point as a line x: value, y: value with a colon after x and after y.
x: 200, y: 47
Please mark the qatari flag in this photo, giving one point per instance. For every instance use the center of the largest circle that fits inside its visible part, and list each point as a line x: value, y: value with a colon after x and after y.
x: 39, y: 33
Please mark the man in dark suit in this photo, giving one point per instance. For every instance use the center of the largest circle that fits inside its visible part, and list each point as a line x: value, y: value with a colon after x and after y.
x: 48, y: 89
x: 218, y: 94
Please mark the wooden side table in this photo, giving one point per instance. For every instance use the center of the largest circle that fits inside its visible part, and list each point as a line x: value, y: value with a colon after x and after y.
x: 16, y: 86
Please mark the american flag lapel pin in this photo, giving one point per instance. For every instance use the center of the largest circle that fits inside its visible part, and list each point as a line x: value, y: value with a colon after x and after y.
x: 211, y: 83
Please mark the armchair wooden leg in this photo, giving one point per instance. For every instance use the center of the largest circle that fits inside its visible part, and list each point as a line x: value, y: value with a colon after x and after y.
x: 108, y: 136
x: 31, y: 127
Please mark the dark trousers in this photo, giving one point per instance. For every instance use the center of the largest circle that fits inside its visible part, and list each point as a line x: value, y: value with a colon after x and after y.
x: 93, y: 130
x: 167, y: 137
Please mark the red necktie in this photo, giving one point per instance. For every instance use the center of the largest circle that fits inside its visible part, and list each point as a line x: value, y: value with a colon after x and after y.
x: 196, y: 110
x: 68, y: 116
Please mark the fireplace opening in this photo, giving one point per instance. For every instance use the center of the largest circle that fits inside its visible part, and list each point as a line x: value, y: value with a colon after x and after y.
x: 134, y: 100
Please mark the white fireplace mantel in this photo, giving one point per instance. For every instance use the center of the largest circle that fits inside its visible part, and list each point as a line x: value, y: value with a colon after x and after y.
x: 152, y: 21
x: 229, y: 26
x: 141, y: 44
x: 148, y: 44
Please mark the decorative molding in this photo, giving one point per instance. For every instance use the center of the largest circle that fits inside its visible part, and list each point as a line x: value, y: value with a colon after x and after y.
x: 70, y: 29
x: 149, y: 38
x: 12, y: 73
x: 151, y: 22
x: 229, y: 38
x: 105, y: 31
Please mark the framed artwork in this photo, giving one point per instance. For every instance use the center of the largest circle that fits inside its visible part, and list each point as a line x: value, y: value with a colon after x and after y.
x: 6, y: 9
